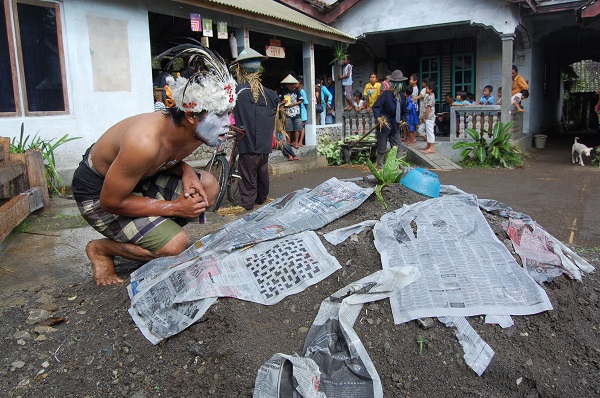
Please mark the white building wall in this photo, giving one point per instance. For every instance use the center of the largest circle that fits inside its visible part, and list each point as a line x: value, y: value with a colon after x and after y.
x: 385, y: 15
x: 92, y: 112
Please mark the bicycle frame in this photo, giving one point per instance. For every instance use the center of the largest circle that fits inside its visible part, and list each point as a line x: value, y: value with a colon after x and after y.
x: 228, y: 178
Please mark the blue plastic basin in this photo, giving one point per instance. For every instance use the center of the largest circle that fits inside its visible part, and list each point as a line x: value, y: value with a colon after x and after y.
x: 422, y: 181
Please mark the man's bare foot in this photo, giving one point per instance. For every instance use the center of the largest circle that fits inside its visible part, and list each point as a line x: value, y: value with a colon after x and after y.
x: 409, y: 144
x: 103, y: 266
x: 427, y: 151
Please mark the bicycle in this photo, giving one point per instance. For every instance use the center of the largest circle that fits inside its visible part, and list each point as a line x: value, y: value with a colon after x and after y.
x: 226, y: 170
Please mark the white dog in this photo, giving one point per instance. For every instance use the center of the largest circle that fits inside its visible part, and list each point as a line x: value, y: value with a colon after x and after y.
x: 578, y: 150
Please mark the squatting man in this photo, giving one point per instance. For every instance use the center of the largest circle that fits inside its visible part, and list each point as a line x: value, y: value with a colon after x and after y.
x: 133, y: 186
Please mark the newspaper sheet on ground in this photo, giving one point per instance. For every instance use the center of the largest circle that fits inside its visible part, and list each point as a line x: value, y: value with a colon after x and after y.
x: 168, y: 296
x: 295, y: 212
x: 478, y: 354
x: 466, y: 270
x: 288, y: 376
x: 543, y: 256
x: 345, y: 366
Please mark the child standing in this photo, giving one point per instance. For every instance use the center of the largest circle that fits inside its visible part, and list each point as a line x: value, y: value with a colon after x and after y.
x: 372, y: 91
x: 346, y: 78
x: 291, y: 99
x: 461, y: 99
x: 413, y: 81
x: 303, y: 113
x: 412, y: 119
x: 487, y: 98
x: 428, y: 118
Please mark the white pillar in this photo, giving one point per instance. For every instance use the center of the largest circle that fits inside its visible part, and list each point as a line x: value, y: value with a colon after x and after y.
x: 507, y: 61
x: 308, y: 63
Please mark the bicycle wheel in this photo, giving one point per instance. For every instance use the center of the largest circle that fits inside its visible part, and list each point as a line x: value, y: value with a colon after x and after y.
x: 233, y: 188
x: 220, y: 169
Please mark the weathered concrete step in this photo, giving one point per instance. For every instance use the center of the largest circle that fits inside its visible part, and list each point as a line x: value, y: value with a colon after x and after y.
x: 435, y: 161
x: 305, y: 163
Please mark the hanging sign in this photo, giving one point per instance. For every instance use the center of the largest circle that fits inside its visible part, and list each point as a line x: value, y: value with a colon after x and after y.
x: 207, y: 29
x: 275, y: 52
x: 222, y: 30
x: 195, y: 22
x: 275, y: 42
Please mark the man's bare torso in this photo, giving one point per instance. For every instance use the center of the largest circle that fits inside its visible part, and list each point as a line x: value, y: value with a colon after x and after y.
x: 151, y: 142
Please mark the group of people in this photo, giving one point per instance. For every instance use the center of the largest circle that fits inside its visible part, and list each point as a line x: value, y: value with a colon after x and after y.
x: 134, y: 187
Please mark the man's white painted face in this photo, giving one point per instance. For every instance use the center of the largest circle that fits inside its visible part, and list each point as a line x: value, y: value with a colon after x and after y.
x: 210, y: 129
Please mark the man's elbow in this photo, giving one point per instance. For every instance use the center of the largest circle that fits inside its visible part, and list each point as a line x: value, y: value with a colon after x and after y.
x: 109, y: 206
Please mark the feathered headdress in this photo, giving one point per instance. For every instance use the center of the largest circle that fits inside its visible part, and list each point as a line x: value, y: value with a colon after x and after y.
x: 210, y: 88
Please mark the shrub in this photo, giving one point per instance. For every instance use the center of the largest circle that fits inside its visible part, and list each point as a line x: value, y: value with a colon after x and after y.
x: 47, y: 147
x: 498, y: 152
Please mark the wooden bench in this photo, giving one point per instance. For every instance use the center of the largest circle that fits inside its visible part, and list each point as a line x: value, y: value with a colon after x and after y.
x: 23, y: 187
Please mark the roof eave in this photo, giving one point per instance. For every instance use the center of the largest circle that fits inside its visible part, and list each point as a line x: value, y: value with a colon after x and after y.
x: 220, y: 7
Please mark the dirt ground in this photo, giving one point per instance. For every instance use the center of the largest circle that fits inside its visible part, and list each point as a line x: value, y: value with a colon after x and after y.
x: 95, y: 349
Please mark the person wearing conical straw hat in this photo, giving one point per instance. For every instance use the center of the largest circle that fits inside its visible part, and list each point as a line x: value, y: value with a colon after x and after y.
x: 255, y: 110
x: 133, y: 186
x: 291, y: 99
x: 388, y: 110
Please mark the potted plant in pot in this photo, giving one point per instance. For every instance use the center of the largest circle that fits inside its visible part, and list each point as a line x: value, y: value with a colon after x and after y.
x: 340, y: 51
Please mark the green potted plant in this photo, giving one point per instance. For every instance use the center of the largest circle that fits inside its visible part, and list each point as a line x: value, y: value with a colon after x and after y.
x: 340, y: 51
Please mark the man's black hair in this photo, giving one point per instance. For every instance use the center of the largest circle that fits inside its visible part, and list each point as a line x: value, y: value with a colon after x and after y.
x: 177, y: 114
x: 415, y: 77
x: 489, y: 88
x: 514, y: 67
x: 357, y: 94
x: 408, y: 90
x: 525, y: 93
x: 432, y: 85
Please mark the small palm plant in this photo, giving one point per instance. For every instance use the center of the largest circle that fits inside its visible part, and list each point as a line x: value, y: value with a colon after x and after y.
x: 498, y: 152
x: 392, y: 171
x: 47, y: 147
x: 340, y: 51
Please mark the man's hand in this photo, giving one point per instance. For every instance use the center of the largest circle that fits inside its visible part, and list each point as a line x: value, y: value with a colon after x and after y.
x: 190, y: 206
x: 192, y: 187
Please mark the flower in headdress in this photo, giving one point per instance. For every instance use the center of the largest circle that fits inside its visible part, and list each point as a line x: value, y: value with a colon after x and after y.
x: 169, y: 101
x: 211, y: 88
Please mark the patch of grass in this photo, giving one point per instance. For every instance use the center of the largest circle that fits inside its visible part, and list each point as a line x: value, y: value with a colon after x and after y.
x: 587, y: 249
x: 24, y: 227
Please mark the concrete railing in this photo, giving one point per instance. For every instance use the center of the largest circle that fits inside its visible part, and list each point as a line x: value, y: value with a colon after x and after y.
x: 356, y: 122
x: 479, y: 118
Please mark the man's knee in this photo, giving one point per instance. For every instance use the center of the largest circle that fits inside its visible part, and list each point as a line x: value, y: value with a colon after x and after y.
x: 210, y: 186
x: 175, y: 246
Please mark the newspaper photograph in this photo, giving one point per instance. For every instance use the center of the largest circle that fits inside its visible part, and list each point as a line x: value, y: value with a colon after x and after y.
x: 466, y: 270
x: 345, y: 368
x: 543, y: 256
x: 272, y: 380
